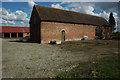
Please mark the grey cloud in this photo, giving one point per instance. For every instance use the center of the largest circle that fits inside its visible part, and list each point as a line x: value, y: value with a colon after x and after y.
x: 107, y: 5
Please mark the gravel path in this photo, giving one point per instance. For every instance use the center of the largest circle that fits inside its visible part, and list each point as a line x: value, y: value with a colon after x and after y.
x: 31, y: 60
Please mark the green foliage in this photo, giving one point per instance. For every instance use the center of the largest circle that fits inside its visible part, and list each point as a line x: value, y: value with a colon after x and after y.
x: 112, y: 21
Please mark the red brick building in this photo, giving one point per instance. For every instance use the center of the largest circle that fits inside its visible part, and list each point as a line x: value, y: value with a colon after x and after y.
x: 50, y: 24
x: 13, y: 32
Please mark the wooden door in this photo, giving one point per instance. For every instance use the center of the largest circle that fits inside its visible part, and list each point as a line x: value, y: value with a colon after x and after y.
x: 63, y: 35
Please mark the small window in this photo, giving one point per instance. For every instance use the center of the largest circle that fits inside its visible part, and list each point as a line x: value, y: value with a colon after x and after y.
x: 63, y: 35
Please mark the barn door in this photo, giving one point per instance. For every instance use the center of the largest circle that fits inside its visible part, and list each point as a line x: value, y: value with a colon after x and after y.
x: 63, y: 35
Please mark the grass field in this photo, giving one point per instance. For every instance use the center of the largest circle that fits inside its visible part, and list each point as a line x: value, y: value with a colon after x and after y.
x: 105, y: 67
x: 102, y: 65
x: 116, y: 35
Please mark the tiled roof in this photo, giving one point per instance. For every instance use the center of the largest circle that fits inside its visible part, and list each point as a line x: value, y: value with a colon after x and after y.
x: 14, y: 29
x: 58, y: 15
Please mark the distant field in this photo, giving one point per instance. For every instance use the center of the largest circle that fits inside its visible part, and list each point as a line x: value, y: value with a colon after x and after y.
x: 73, y: 59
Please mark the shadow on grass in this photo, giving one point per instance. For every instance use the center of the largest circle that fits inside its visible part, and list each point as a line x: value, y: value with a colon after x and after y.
x: 19, y: 41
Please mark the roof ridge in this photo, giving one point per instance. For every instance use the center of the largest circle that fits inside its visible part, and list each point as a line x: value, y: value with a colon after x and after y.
x: 67, y: 11
x: 35, y: 5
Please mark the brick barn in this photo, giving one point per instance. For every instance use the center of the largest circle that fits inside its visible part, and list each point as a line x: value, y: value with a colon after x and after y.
x: 13, y: 32
x: 51, y: 24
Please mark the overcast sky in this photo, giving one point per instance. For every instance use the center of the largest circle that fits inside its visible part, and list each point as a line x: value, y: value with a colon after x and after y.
x: 18, y: 13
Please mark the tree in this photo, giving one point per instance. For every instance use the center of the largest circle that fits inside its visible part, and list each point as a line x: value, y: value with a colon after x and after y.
x: 112, y: 21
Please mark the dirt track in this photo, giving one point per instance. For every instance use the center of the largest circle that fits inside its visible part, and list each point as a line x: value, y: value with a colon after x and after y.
x: 30, y: 60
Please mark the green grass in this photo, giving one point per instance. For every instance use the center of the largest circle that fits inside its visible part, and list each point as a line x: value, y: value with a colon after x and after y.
x: 116, y: 35
x: 104, y: 67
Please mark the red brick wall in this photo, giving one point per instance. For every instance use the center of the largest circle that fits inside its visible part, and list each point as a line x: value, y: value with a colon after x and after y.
x: 51, y: 31
x: 35, y: 27
x: 106, y: 32
x: 35, y: 33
